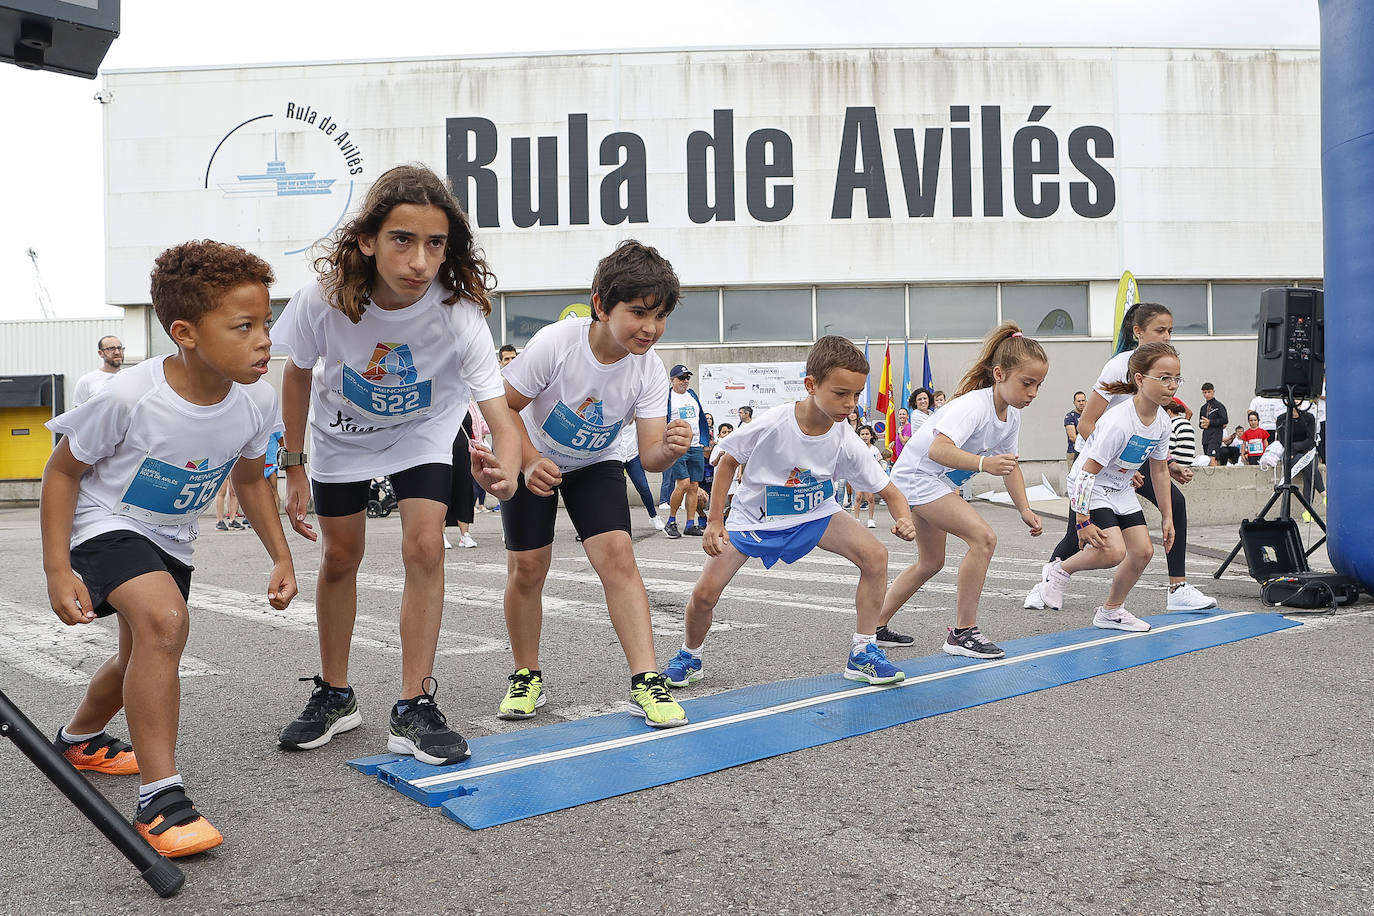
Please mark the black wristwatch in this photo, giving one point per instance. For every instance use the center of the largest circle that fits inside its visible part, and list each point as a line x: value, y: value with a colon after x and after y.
x: 287, y: 459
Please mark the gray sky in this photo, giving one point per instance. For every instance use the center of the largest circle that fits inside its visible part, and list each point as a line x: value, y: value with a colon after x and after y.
x: 52, y: 162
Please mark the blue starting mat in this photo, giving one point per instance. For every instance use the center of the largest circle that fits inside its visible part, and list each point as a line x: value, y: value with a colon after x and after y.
x: 533, y: 771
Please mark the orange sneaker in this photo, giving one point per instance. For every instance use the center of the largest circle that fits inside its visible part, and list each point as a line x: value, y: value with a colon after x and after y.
x: 173, y: 827
x: 102, y: 754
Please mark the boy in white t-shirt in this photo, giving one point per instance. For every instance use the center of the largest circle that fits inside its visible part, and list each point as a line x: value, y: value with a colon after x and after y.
x: 785, y: 507
x: 121, y: 497
x: 575, y: 385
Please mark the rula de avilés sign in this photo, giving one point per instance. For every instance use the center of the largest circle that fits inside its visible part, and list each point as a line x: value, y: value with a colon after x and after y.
x: 1037, y: 153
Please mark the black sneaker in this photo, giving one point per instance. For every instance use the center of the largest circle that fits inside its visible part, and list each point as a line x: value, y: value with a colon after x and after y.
x: 890, y: 637
x: 325, y: 716
x: 695, y: 531
x: 670, y: 529
x: 971, y: 644
x: 423, y: 732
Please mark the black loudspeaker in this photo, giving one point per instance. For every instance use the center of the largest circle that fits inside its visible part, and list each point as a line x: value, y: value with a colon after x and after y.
x: 1292, y: 343
x: 65, y: 36
x: 1272, y: 548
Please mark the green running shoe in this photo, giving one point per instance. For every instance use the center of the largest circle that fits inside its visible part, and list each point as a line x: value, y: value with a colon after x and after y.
x: 654, y: 702
x: 524, y: 695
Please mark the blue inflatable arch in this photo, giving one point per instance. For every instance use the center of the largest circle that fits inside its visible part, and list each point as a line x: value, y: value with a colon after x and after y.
x: 1347, y: 145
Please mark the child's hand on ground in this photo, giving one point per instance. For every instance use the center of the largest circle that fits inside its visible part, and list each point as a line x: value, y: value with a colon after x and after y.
x: 541, y: 476
x: 1033, y: 522
x: 70, y: 600
x: 281, y: 585
x: 678, y: 437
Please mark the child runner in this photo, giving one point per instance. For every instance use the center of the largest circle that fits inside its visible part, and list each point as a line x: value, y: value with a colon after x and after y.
x: 976, y: 431
x: 397, y: 325
x: 1150, y: 322
x: 121, y: 497
x: 866, y: 434
x: 576, y: 383
x: 1108, y: 525
x: 784, y: 508
x: 1254, y: 440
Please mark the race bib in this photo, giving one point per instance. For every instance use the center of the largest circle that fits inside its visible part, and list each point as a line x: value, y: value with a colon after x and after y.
x: 164, y: 494
x: 959, y: 478
x: 386, y: 403
x: 1254, y: 446
x: 1135, y: 453
x: 781, y: 501
x: 577, y: 435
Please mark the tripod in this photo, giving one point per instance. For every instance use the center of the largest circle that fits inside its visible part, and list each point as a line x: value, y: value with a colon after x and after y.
x: 1284, y: 492
x: 162, y: 876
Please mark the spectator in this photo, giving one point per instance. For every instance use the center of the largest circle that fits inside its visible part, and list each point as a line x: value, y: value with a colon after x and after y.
x: 1182, y: 439
x: 746, y: 414
x: 688, y: 471
x: 1268, y: 410
x: 505, y: 355
x: 1255, y: 439
x: 1213, y: 420
x: 1080, y: 400
x: 920, y: 403
x: 1229, y: 452
x: 111, y: 352
x: 939, y: 400
x: 1304, y: 440
x: 903, y: 432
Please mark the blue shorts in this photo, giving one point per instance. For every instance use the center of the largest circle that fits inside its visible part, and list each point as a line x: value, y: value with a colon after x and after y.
x: 786, y: 544
x: 690, y: 464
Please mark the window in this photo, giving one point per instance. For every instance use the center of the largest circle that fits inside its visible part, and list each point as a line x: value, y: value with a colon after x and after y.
x: 1188, y: 302
x: 494, y: 320
x: 858, y: 312
x: 527, y: 314
x: 1050, y: 310
x: 1235, y: 307
x: 696, y: 319
x: 953, y: 311
x: 767, y: 314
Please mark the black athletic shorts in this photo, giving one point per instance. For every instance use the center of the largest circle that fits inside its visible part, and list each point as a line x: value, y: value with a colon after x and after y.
x: 424, y: 481
x: 1106, y: 518
x: 107, y: 561
x: 594, y: 497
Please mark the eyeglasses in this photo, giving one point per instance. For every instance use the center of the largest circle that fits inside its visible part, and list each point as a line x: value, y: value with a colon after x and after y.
x: 1168, y: 381
x: 111, y: 349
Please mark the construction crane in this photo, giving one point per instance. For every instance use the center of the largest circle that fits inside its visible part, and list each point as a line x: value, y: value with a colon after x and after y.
x: 44, y: 300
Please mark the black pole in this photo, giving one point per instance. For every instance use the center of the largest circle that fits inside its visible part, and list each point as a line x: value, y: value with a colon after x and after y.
x: 162, y: 875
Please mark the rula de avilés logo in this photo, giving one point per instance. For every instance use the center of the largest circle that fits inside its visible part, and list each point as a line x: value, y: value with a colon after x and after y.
x: 301, y: 159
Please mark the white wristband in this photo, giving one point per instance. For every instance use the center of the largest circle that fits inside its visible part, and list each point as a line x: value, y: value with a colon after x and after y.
x: 980, y: 463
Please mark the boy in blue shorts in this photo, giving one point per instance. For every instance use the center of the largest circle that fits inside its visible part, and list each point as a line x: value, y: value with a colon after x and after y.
x: 121, y: 497
x: 785, y: 507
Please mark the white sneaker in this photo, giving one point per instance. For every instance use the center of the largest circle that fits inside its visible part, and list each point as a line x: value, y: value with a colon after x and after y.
x: 1188, y: 598
x: 1053, y: 579
x: 658, y: 522
x: 466, y: 541
x: 872, y: 524
x: 664, y: 507
x: 1034, y: 601
x: 447, y: 544
x: 1119, y: 619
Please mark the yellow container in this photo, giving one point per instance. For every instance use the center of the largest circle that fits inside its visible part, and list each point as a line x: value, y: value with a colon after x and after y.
x: 25, y: 443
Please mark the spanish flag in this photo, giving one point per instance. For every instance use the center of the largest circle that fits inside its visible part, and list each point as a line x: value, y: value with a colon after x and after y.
x: 886, y: 404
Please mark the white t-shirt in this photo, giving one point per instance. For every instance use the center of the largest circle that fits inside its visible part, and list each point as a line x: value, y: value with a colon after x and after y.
x: 684, y: 407
x: 391, y: 391
x: 580, y: 405
x: 1115, y: 370
x: 970, y: 422
x: 156, y: 459
x: 1121, y: 444
x: 1269, y: 410
x: 789, y: 476
x: 627, y: 444
x: 89, y: 385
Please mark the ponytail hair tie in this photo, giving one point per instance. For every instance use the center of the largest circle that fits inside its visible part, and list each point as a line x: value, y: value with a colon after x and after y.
x: 1017, y: 334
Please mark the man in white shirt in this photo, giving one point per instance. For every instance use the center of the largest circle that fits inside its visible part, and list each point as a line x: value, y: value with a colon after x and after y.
x: 688, y: 471
x: 111, y: 352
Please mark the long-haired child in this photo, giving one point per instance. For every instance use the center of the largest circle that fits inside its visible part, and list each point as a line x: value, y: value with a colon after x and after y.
x: 976, y: 431
x: 1109, y: 526
x: 397, y: 325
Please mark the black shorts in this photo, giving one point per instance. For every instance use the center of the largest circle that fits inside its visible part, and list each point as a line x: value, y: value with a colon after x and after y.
x: 594, y: 497
x: 424, y: 481
x: 107, y: 561
x: 1106, y: 518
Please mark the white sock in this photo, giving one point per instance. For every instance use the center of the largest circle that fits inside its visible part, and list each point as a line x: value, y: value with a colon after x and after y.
x: 695, y: 653
x: 75, y: 739
x: 146, y: 792
x: 861, y: 641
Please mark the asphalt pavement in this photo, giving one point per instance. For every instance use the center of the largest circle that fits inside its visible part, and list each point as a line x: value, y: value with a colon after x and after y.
x: 1235, y: 779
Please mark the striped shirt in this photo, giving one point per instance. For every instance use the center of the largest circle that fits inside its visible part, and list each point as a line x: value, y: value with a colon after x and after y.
x: 1182, y: 441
